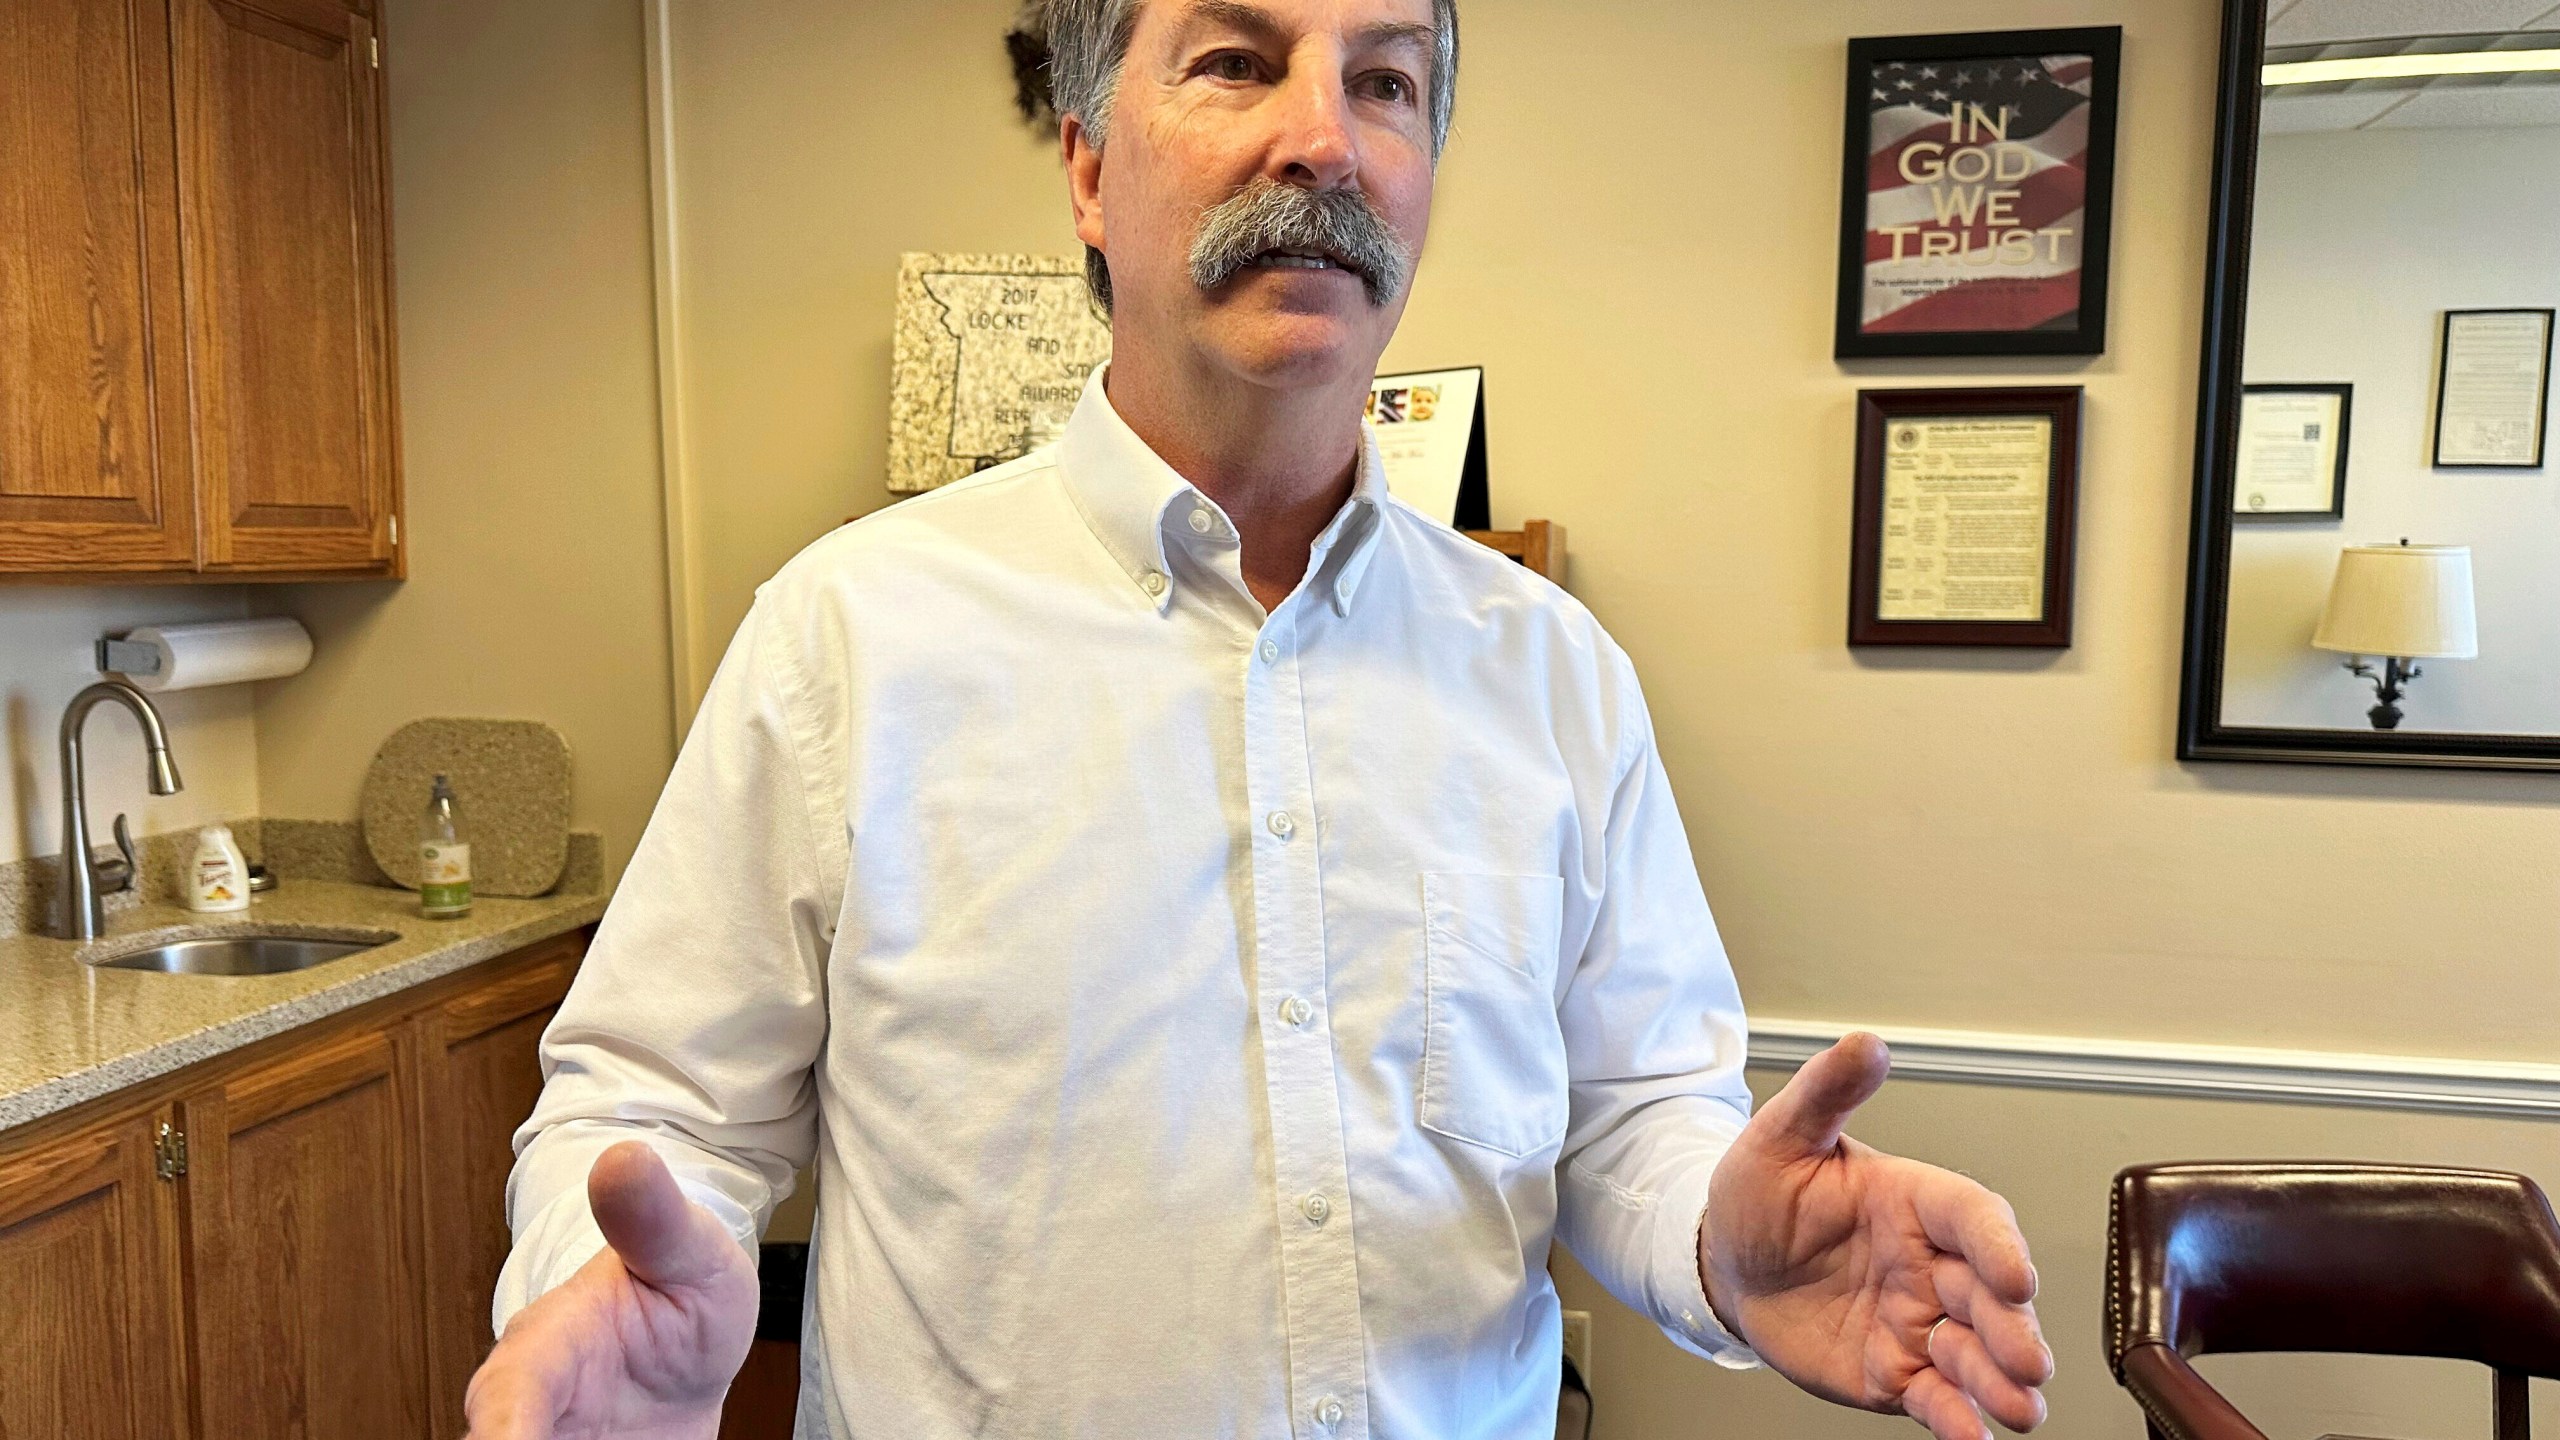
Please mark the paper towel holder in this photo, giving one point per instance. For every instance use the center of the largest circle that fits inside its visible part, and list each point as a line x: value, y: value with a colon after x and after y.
x: 117, y: 656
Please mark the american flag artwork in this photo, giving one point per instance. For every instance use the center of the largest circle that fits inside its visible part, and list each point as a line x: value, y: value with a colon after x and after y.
x: 1977, y: 194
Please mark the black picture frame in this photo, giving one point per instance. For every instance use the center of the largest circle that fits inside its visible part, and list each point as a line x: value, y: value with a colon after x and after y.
x: 2542, y: 406
x: 2087, y: 334
x: 2346, y: 394
x: 1474, y: 507
x: 2203, y: 736
x: 1877, y: 411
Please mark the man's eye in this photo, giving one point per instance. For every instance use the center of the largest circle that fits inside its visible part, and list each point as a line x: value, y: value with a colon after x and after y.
x: 1233, y: 65
x: 1391, y: 87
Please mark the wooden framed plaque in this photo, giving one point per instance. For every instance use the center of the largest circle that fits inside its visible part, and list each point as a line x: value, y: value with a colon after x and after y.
x: 1963, y: 526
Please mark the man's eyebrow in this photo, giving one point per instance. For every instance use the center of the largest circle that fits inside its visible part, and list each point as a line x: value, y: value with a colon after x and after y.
x: 1264, y: 27
x: 1395, y: 32
x: 1252, y: 20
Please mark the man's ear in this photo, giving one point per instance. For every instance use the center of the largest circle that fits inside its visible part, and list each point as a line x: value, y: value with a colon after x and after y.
x: 1083, y: 160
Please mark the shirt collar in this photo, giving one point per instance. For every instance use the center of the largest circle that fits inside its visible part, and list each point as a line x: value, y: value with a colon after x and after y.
x: 1127, y: 494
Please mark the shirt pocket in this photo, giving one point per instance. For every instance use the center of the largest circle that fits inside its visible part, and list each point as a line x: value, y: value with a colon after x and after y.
x: 1493, y: 1058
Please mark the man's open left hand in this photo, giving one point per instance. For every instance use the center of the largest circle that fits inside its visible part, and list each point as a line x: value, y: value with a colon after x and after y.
x: 1868, y: 1279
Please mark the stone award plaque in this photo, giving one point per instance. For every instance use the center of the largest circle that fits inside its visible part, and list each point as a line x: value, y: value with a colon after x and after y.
x: 990, y: 355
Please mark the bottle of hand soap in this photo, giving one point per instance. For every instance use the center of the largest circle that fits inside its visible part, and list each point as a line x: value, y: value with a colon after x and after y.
x: 218, y: 877
x: 444, y: 858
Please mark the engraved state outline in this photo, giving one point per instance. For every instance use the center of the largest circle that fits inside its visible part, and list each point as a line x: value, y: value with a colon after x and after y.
x: 960, y: 348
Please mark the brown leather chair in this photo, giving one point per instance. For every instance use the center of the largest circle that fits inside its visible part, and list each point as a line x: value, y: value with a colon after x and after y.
x: 2217, y: 1258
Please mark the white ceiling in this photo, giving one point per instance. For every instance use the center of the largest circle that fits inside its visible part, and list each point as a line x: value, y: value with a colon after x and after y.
x: 2473, y: 109
x: 2291, y: 114
x: 2502, y: 107
x: 2332, y: 22
x: 2302, y: 28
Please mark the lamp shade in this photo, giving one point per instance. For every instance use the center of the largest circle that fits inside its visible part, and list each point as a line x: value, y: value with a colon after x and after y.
x: 2410, y: 601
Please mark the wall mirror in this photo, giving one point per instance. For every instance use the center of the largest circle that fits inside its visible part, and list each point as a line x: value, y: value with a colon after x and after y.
x: 2375, y: 572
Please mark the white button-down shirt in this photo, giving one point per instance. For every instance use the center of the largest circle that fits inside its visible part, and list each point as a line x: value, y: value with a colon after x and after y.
x: 1202, y: 1019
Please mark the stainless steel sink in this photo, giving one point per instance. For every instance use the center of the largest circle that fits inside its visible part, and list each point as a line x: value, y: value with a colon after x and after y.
x: 247, y: 952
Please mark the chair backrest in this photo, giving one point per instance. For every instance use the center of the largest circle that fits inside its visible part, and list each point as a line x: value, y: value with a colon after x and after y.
x: 2222, y: 1257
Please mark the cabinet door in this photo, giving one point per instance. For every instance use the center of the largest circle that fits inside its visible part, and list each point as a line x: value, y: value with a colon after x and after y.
x: 302, y: 1235
x: 94, y: 472
x: 88, y: 1280
x: 479, y: 1060
x: 281, y: 203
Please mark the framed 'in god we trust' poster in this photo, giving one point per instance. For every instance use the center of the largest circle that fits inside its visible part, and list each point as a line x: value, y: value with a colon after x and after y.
x: 1976, y: 191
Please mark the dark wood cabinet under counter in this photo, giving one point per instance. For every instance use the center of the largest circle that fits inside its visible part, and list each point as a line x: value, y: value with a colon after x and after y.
x: 300, y: 1236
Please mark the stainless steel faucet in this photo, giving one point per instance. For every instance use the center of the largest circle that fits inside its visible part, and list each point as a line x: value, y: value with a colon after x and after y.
x: 79, y: 902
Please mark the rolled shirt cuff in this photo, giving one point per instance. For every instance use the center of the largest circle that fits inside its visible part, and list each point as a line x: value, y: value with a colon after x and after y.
x: 564, y: 1237
x: 559, y: 1242
x: 1679, y: 1292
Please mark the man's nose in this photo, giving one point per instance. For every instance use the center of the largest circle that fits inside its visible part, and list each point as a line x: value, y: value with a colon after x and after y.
x: 1315, y: 149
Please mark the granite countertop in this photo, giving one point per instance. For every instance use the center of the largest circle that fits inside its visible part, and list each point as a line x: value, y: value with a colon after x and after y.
x: 71, y: 1031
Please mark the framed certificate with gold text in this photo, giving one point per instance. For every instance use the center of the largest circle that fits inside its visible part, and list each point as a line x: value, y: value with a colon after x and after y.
x: 1962, y: 533
x: 1976, y: 189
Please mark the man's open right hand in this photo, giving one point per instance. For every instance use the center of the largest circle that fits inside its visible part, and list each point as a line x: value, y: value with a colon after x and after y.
x: 641, y: 1342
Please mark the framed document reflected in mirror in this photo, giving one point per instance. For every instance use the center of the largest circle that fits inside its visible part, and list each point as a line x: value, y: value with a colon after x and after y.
x: 1963, y: 526
x: 2293, y: 452
x: 2493, y: 389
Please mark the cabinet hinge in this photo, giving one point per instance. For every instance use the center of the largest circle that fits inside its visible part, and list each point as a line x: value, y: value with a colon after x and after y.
x: 375, y: 43
x: 169, y: 1152
x: 395, y: 531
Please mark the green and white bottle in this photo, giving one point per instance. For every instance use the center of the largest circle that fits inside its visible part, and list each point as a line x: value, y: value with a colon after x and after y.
x: 444, y: 858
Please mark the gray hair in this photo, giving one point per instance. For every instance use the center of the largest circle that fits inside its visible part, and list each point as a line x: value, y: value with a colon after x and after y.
x: 1089, y: 39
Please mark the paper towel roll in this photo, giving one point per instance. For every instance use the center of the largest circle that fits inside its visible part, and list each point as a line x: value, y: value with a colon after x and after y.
x: 223, y: 652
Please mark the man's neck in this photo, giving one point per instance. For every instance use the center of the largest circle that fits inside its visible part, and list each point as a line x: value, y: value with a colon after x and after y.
x: 1279, y: 462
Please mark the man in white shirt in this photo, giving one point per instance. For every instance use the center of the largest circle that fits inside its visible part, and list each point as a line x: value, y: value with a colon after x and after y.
x: 1210, y: 924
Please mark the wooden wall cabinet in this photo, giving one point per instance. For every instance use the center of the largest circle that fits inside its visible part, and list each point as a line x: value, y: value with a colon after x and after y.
x: 299, y: 1238
x: 196, y: 377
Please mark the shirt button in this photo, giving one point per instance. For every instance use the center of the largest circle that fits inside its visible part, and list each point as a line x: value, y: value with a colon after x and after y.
x: 1200, y: 522
x: 1328, y: 1412
x: 1154, y: 581
x: 1296, y: 1011
x: 1317, y: 1209
x: 1282, y: 824
x: 1270, y: 651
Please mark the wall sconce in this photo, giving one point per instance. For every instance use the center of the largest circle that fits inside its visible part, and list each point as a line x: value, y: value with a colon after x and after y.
x: 2399, y: 603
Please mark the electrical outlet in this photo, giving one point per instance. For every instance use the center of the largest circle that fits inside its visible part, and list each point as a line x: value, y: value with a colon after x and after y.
x: 1577, y: 1341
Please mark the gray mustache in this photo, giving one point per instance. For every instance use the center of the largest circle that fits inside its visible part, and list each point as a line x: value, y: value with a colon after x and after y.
x: 1267, y: 215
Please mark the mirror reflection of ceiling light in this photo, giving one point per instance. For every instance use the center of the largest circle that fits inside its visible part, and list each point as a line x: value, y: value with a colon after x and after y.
x: 2412, y: 67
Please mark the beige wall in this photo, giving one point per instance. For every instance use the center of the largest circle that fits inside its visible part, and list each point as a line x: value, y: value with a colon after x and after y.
x: 528, y: 392
x: 813, y: 143
x: 1635, y: 234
